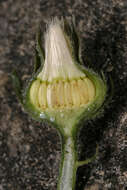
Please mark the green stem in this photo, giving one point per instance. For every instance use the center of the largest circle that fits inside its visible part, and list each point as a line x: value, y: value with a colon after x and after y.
x: 68, y: 168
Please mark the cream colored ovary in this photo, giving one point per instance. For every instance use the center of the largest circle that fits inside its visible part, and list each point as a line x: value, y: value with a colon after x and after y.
x: 62, y: 94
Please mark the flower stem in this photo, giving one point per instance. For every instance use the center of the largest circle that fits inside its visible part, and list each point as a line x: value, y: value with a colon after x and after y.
x: 67, y: 177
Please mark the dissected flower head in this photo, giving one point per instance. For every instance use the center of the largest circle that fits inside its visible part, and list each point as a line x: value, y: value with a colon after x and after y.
x: 61, y: 83
x: 62, y: 90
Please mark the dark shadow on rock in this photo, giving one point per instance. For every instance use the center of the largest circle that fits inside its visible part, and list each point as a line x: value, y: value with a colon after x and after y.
x: 105, y: 51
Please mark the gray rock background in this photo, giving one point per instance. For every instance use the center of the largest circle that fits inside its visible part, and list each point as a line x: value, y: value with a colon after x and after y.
x: 29, y: 151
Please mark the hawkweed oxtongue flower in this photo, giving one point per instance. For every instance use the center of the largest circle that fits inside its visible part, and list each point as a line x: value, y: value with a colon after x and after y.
x: 63, y: 92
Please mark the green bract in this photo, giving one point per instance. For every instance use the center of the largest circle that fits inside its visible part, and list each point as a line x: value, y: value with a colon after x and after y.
x: 63, y: 92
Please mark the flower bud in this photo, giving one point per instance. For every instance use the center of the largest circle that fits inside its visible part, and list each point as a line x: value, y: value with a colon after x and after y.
x: 62, y: 91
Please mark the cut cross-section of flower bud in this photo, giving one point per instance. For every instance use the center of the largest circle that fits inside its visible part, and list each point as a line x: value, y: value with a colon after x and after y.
x: 63, y: 84
x: 63, y: 91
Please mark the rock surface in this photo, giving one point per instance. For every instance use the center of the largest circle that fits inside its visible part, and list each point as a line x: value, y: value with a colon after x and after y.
x: 29, y: 151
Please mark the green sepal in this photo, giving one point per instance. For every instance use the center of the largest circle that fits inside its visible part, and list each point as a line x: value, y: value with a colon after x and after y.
x: 39, y: 49
x: 110, y: 92
x: 37, y: 61
x: 17, y: 85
